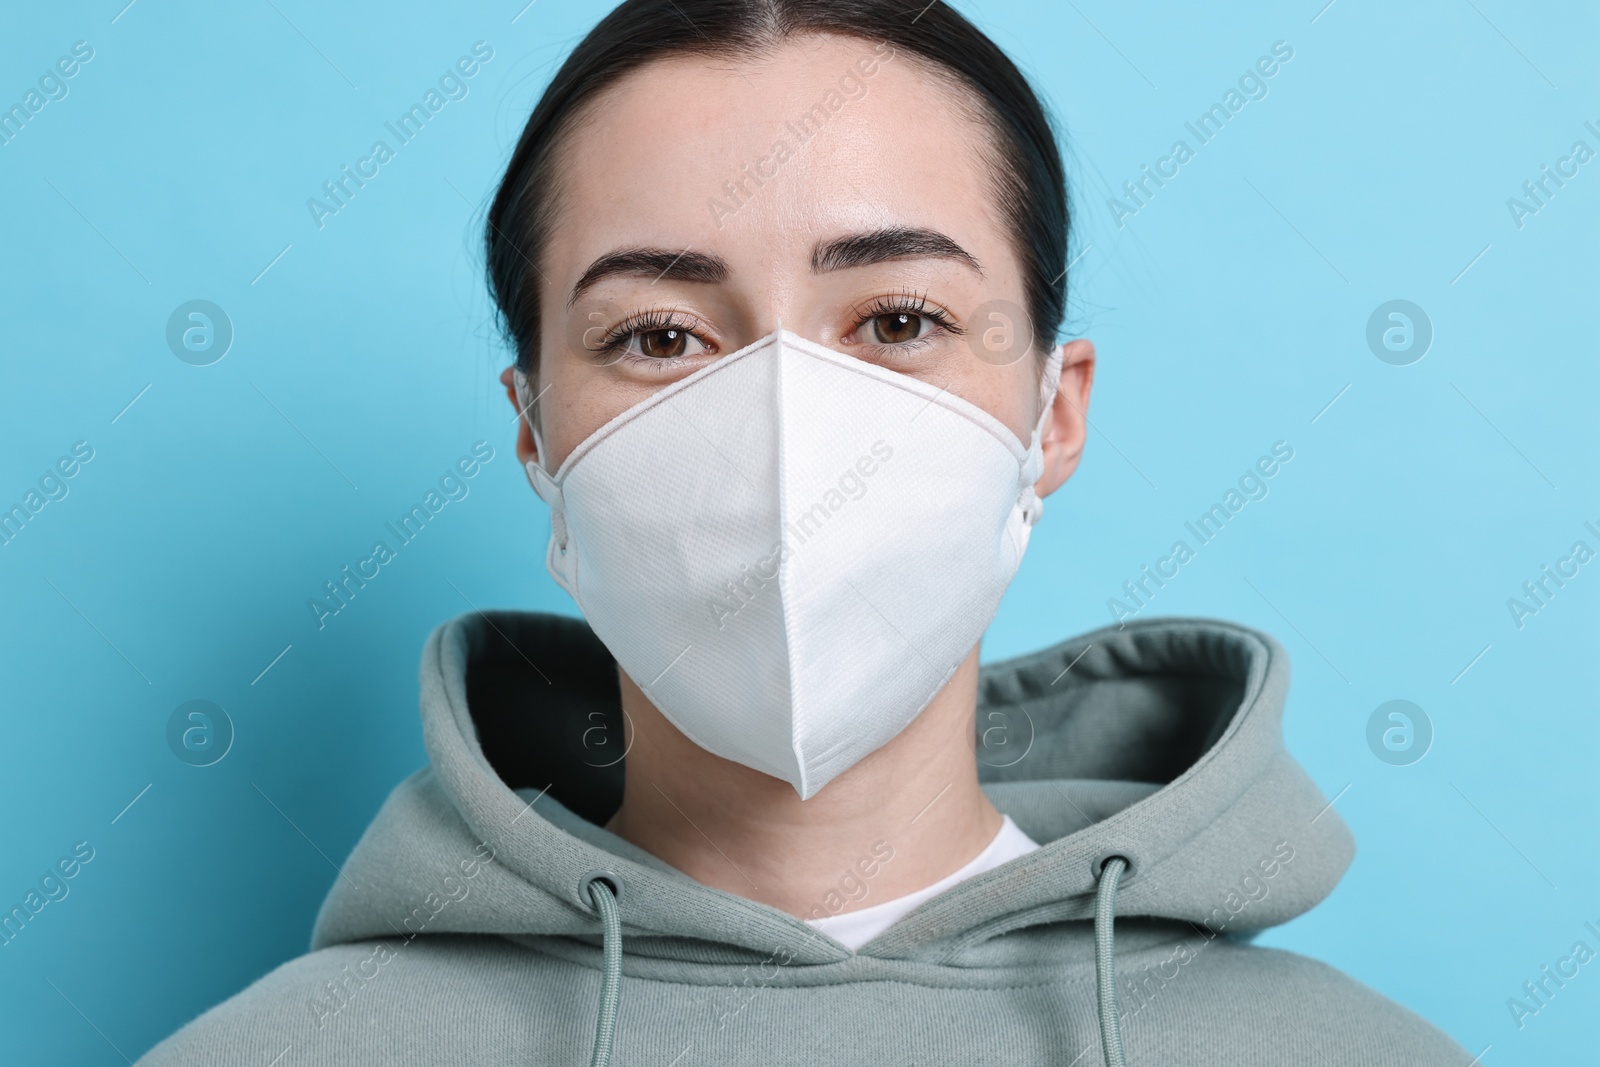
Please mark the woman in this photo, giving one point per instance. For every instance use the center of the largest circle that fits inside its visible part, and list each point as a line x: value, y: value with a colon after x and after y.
x: 781, y: 277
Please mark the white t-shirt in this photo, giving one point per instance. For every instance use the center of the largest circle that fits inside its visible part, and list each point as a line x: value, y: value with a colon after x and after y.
x: 856, y: 928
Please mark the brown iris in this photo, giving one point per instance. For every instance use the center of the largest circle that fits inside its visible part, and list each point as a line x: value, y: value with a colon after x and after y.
x: 896, y: 328
x: 663, y: 344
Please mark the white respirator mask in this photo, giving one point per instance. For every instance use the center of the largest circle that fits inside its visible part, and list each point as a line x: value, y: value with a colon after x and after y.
x: 791, y: 550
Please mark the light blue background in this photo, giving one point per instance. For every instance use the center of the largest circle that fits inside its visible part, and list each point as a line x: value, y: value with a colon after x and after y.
x: 1229, y: 313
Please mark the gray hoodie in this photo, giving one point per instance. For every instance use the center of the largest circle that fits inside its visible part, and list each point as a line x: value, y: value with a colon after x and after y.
x: 462, y: 930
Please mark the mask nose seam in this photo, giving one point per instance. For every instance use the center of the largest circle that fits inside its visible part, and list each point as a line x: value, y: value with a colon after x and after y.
x: 785, y: 601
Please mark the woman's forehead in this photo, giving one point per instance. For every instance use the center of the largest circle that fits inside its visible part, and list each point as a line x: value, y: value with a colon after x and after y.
x: 762, y: 158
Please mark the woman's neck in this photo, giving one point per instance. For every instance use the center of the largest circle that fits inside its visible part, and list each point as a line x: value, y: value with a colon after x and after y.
x: 915, y: 800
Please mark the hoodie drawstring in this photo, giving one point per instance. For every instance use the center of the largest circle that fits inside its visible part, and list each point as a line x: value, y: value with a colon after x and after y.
x: 1105, y: 968
x: 605, y: 1027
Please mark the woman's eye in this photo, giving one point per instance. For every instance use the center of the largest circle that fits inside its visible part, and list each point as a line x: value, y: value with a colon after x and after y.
x: 667, y: 343
x: 895, y: 328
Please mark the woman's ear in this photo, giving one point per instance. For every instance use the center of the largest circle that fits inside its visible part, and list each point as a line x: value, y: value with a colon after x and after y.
x: 1067, y: 427
x: 511, y: 378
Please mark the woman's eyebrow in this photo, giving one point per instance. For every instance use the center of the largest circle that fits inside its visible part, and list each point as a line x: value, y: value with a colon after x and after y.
x: 877, y: 246
x: 656, y: 263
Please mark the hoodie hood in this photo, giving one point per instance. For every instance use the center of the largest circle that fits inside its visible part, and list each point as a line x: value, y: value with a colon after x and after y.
x: 1159, y: 741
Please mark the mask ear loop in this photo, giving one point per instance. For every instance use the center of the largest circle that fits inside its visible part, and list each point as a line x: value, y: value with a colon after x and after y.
x: 526, y: 406
x: 1033, y: 465
x: 1048, y: 385
x: 541, y: 479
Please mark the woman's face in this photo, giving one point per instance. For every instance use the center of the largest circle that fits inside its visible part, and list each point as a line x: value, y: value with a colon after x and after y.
x: 832, y: 186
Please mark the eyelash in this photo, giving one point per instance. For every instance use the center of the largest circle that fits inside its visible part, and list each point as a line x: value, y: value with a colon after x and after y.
x: 908, y: 302
x: 620, y: 337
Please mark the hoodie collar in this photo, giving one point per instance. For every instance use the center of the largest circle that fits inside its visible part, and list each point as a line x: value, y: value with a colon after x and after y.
x: 1160, y: 740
